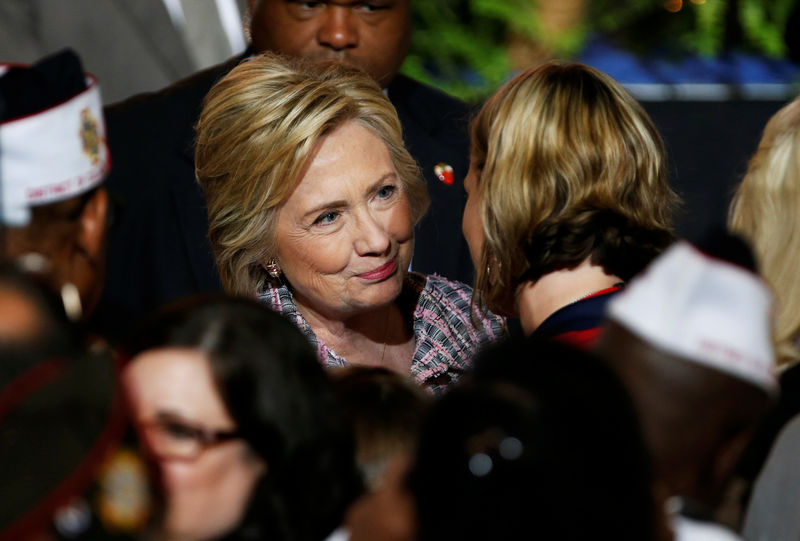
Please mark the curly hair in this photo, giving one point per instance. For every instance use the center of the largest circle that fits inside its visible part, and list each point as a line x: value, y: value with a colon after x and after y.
x: 765, y: 211
x: 569, y: 167
x: 258, y: 129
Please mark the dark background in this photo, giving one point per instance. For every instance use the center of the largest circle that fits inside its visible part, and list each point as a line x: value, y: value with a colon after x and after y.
x: 708, y: 144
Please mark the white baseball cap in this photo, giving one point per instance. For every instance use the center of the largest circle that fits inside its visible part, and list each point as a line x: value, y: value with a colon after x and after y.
x: 704, y: 310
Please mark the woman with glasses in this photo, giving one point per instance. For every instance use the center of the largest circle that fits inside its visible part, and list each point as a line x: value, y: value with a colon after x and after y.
x: 238, y: 414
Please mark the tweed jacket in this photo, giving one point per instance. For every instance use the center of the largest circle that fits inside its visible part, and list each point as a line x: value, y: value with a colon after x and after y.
x: 446, y: 337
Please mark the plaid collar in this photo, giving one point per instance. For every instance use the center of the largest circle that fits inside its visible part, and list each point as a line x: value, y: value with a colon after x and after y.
x: 446, y: 337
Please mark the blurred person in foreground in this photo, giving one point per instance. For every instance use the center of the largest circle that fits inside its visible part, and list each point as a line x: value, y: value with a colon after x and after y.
x: 568, y: 199
x: 160, y: 250
x: 312, y: 200
x: 543, y: 442
x: 71, y: 467
x: 691, y: 339
x: 234, y: 407
x: 53, y: 160
x: 385, y: 410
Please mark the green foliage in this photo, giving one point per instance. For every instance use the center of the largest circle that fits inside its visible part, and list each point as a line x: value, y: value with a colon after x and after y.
x: 706, y: 27
x: 707, y: 36
x: 461, y: 46
x: 764, y: 24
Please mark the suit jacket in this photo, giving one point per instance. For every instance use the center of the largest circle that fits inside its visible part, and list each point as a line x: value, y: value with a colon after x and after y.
x: 130, y: 45
x: 158, y: 246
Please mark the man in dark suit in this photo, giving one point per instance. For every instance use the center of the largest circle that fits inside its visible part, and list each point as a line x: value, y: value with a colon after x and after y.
x: 159, y: 249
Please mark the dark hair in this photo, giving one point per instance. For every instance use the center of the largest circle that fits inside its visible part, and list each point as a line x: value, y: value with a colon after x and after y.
x: 543, y: 441
x: 385, y: 410
x: 280, y: 397
x: 605, y: 236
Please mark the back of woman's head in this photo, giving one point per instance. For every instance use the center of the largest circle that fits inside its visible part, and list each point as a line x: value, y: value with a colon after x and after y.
x: 766, y: 211
x: 543, y: 442
x: 274, y: 388
x: 562, y: 149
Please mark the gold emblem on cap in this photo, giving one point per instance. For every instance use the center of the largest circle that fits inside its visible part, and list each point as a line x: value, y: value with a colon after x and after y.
x: 123, y: 501
x: 89, y: 136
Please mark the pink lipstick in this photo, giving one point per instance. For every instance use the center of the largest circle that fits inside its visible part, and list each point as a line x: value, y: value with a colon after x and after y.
x: 380, y: 273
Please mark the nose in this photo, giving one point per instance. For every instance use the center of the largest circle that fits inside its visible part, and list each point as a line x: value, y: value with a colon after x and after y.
x: 371, y: 236
x: 338, y: 30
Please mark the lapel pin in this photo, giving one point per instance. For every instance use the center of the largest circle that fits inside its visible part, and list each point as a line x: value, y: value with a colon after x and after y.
x: 444, y: 172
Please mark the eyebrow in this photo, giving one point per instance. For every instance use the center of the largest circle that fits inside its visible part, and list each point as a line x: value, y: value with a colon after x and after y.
x: 172, y: 415
x: 342, y: 203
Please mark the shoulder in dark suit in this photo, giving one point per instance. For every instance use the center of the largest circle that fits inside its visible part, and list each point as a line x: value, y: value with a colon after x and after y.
x: 158, y: 248
x: 435, y: 131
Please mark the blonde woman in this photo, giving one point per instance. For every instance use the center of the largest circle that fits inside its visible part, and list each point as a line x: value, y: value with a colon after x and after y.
x: 568, y: 198
x: 312, y: 200
x: 766, y: 211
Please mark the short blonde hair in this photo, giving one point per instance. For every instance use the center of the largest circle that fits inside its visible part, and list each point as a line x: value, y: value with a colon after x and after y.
x: 258, y: 129
x: 570, y: 167
x: 766, y: 211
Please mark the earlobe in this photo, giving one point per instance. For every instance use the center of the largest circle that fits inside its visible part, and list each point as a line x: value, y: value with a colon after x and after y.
x: 273, y: 268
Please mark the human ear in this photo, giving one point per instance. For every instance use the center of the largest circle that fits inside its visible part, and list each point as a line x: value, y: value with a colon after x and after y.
x: 87, y: 257
x: 92, y: 226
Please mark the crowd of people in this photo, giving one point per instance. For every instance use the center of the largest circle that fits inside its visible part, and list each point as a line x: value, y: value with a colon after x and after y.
x: 299, y: 296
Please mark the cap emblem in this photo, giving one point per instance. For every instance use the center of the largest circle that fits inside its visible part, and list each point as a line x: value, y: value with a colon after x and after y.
x: 89, y: 136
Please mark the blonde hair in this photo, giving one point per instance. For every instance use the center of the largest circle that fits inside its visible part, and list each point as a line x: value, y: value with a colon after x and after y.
x: 570, y: 167
x: 766, y: 211
x: 257, y: 131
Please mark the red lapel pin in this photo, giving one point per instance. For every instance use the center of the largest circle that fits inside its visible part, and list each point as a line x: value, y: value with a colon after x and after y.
x: 444, y: 172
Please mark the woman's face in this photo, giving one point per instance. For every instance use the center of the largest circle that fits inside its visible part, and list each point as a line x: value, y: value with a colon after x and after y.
x: 207, y: 485
x: 345, y: 236
x: 471, y: 223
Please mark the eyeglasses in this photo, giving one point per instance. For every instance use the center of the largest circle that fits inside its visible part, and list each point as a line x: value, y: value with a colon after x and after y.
x: 170, y: 437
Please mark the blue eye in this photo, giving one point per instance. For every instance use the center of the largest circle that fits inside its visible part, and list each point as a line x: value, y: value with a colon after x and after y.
x: 385, y: 192
x: 326, y: 218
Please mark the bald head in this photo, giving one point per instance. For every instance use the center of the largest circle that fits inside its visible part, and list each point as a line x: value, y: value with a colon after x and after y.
x: 695, y: 419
